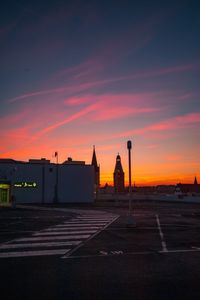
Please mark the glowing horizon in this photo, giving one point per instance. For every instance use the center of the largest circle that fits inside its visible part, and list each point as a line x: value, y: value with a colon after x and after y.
x: 77, y: 75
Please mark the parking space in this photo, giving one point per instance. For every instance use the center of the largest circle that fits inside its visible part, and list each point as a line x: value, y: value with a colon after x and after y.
x: 154, y: 233
x: 158, y: 259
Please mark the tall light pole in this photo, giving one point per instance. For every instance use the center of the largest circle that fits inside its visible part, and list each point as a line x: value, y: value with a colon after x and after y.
x: 56, y: 185
x: 129, y: 147
x: 130, y: 219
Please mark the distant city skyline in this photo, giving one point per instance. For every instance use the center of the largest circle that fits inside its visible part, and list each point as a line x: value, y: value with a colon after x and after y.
x: 80, y: 73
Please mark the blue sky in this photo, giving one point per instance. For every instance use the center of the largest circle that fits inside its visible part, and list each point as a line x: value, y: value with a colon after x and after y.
x: 78, y: 73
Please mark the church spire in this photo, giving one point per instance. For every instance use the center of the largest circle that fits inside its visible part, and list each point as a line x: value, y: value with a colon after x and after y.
x: 195, y: 181
x: 94, y: 158
x: 96, y: 168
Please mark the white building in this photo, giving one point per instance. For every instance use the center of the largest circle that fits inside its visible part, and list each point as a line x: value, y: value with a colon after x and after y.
x: 40, y: 181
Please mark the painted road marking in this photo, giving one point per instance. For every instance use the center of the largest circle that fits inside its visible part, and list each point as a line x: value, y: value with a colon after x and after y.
x: 30, y: 245
x: 196, y: 248
x: 34, y: 253
x: 49, y: 238
x: 77, y: 225
x: 63, y: 232
x: 70, y: 233
x: 91, y: 237
x: 92, y: 219
x: 71, y: 228
x: 108, y: 254
x: 86, y: 222
x: 164, y: 246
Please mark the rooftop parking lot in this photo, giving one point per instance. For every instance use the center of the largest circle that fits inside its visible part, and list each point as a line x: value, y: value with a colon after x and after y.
x: 157, y: 259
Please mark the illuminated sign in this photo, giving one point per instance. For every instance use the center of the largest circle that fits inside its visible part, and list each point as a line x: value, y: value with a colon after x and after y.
x: 4, y: 186
x: 25, y: 184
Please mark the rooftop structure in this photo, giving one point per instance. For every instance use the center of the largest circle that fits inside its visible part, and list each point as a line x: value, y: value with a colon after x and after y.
x: 118, y: 176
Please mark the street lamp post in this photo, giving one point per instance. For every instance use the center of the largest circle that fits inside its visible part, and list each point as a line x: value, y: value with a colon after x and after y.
x: 56, y: 185
x: 130, y: 219
x: 129, y: 147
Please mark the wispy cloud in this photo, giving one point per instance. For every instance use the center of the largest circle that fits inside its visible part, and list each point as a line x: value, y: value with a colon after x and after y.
x: 91, y: 83
x: 13, y: 118
x: 177, y: 122
x: 70, y: 119
x: 120, y: 112
x: 170, y: 124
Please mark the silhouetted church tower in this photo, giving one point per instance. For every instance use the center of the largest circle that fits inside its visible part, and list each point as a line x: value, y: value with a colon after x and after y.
x: 118, y: 176
x: 96, y: 169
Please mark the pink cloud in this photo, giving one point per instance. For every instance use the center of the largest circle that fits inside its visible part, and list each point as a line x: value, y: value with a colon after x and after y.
x: 82, y: 70
x: 114, y: 112
x: 74, y: 87
x: 13, y: 139
x: 178, y: 122
x: 101, y: 110
x: 71, y: 88
x: 13, y: 118
x: 78, y: 100
x: 70, y: 119
x: 160, y: 72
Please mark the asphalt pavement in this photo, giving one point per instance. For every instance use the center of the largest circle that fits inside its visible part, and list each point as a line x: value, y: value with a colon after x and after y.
x: 92, y: 254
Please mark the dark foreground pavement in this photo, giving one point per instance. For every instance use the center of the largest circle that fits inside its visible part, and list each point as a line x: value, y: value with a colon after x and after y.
x: 159, y: 259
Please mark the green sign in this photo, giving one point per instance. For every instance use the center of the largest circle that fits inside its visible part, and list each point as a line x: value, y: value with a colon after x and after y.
x: 25, y: 184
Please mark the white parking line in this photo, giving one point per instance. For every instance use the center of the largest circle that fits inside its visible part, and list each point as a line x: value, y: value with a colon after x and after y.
x: 180, y: 251
x: 164, y: 246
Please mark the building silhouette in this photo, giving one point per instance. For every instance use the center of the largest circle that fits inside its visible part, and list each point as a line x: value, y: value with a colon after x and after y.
x: 118, y: 176
x: 189, y: 188
x: 40, y: 181
x: 96, y: 169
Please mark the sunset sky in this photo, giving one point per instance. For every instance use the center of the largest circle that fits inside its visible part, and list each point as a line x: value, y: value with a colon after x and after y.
x: 74, y: 74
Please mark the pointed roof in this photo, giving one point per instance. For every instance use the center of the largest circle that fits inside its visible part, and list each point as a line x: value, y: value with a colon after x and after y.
x: 118, y: 165
x: 94, y: 158
x: 195, y: 181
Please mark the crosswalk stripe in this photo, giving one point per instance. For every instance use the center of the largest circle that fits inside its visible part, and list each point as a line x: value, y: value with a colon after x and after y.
x: 96, y: 216
x: 77, y: 225
x: 34, y: 253
x: 63, y: 232
x: 93, y: 219
x: 63, y: 237
x: 32, y: 245
x: 70, y: 233
x: 85, y: 222
x: 71, y: 228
